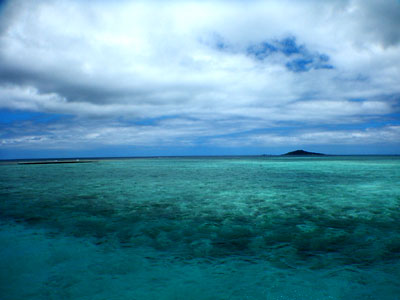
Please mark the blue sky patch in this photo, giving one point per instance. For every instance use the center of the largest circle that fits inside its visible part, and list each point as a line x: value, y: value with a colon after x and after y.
x: 261, y: 51
x: 306, y: 64
x: 289, y: 46
x: 300, y: 65
x: 14, y: 116
x: 147, y: 121
x: 304, y: 60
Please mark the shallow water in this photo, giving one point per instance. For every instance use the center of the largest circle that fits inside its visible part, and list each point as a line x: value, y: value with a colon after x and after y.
x: 202, y: 228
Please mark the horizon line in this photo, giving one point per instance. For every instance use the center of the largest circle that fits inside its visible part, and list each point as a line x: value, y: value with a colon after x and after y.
x: 186, y: 156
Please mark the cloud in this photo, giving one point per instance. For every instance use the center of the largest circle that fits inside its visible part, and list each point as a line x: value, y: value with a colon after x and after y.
x: 377, y: 20
x: 184, y: 133
x: 385, y: 135
x: 213, y: 68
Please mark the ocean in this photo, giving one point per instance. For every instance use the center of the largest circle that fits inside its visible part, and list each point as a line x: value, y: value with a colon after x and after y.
x: 270, y: 228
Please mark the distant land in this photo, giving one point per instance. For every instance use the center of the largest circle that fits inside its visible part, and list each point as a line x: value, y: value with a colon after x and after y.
x: 46, y: 162
x: 302, y: 153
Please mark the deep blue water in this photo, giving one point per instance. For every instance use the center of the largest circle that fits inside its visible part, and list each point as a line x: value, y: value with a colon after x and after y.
x: 202, y: 228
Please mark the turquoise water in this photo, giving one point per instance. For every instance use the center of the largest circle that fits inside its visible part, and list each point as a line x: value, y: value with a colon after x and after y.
x: 202, y: 228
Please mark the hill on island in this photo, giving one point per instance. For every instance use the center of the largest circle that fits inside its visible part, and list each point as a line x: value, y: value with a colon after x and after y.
x: 303, y: 153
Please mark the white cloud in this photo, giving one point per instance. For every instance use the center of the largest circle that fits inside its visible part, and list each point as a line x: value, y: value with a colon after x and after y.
x: 138, y: 60
x: 183, y: 133
x: 385, y: 135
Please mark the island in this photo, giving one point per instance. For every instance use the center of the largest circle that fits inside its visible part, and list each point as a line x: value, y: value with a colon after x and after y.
x: 47, y: 162
x: 302, y: 153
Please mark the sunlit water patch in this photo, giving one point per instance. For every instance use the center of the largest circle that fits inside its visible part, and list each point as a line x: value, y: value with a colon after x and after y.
x: 202, y: 228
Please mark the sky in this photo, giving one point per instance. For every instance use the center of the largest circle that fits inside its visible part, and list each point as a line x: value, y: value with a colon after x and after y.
x: 145, y: 78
